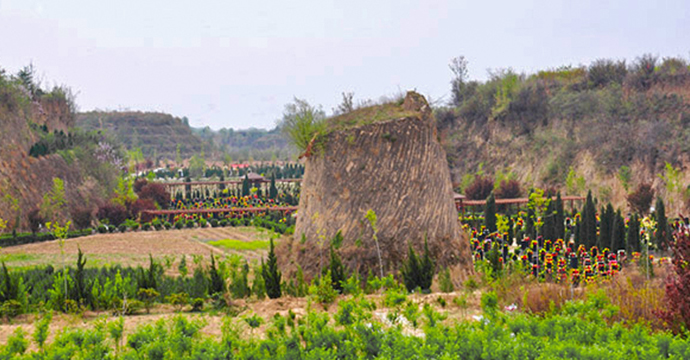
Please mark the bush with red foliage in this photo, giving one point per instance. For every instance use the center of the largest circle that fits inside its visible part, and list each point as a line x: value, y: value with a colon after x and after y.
x: 81, y: 217
x: 677, y: 312
x: 509, y: 189
x: 140, y: 205
x: 641, y: 199
x: 480, y: 188
x: 115, y: 214
x: 35, y: 220
x: 157, y: 193
x: 139, y: 184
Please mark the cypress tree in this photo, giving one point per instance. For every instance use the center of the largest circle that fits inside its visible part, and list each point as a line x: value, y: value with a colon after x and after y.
x: 245, y: 186
x: 560, y: 218
x: 618, y: 232
x: 337, y: 270
x: 418, y: 273
x: 548, y: 228
x: 273, y: 191
x: 633, y: 238
x: 490, y: 213
x: 529, y: 224
x: 221, y: 187
x: 661, y: 238
x: 411, y: 270
x: 271, y: 274
x: 588, y: 232
x: 605, y: 226
x: 217, y: 285
x: 428, y: 269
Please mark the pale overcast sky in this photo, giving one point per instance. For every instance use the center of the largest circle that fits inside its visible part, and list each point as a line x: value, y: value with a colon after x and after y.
x: 236, y: 64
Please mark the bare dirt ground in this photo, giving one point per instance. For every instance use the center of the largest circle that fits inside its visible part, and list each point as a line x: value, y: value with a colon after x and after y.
x: 133, y: 248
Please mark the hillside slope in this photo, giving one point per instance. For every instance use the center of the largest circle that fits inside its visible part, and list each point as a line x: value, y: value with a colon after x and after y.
x: 156, y: 134
x: 607, y: 127
x: 30, y: 116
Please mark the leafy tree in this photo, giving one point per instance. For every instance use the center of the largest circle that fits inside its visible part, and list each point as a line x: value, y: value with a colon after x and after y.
x: 271, y: 274
x: 480, y: 189
x: 301, y: 122
x: 677, y: 310
x: 490, y: 213
x: 538, y: 204
x: 371, y: 217
x: 458, y: 66
x: 641, y: 199
x: 508, y: 189
x: 197, y: 165
x: 54, y: 200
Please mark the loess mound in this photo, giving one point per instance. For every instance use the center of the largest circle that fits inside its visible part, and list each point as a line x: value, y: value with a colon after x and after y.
x: 386, y: 159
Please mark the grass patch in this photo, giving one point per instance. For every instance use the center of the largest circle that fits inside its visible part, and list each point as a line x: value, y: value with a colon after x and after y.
x: 240, y: 245
x: 8, y: 258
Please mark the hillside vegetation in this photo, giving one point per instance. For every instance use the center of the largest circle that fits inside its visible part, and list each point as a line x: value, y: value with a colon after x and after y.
x: 608, y: 126
x: 48, y: 169
x: 156, y: 134
x: 162, y: 136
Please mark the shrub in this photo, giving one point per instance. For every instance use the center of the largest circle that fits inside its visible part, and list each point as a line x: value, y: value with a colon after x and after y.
x: 140, y: 205
x: 480, y: 188
x: 509, y: 189
x: 323, y: 290
x: 418, y: 273
x: 81, y: 217
x: 603, y: 72
x: 179, y: 224
x: 115, y: 214
x: 214, y: 223
x: 301, y: 122
x: 156, y: 192
x: 35, y: 220
x: 444, y: 281
x: 641, y: 76
x: 139, y: 184
x: 677, y: 311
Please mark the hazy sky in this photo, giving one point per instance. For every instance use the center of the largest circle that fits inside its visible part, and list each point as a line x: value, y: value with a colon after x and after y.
x: 236, y: 64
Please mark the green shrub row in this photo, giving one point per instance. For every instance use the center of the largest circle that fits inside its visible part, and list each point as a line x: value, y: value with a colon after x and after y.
x: 579, y: 331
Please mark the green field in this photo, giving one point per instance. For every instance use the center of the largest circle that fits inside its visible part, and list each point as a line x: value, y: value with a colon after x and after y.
x: 239, y: 245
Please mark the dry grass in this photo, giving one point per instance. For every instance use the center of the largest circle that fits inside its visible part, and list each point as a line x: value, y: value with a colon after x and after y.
x: 133, y: 248
x: 369, y: 115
